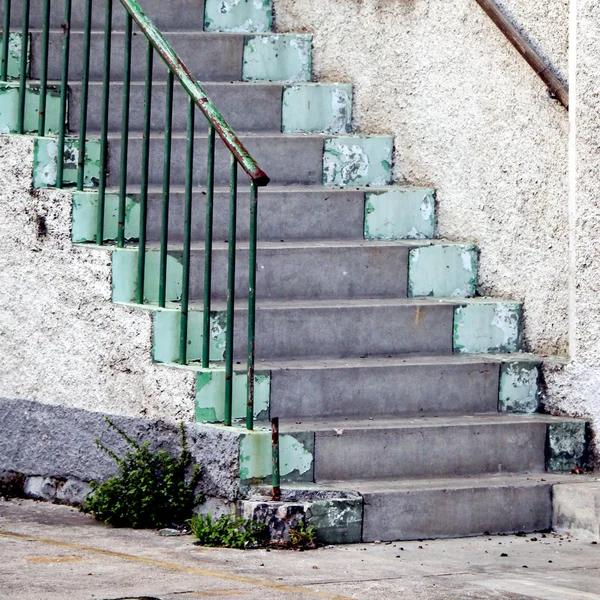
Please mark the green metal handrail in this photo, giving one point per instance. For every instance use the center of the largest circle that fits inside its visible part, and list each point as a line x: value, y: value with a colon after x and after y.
x: 217, y: 126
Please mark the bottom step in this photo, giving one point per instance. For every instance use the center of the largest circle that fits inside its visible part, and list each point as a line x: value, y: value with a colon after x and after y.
x: 445, y: 508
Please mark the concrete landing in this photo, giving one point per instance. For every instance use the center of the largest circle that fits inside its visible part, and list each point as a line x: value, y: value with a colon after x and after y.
x: 53, y: 552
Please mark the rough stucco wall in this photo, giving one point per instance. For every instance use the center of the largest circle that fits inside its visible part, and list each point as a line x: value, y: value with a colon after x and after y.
x: 576, y: 389
x: 62, y: 341
x: 470, y: 118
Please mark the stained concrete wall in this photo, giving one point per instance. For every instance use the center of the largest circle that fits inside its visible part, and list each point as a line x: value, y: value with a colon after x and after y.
x: 576, y: 389
x: 62, y: 341
x: 471, y: 119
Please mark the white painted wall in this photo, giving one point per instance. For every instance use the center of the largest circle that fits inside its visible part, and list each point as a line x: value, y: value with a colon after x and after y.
x: 62, y: 341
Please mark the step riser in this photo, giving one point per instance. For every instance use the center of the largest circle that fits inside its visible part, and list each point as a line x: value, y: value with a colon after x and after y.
x: 293, y: 160
x: 216, y: 57
x: 245, y: 107
x: 386, y: 391
x: 426, y: 514
x: 430, y: 451
x: 173, y: 15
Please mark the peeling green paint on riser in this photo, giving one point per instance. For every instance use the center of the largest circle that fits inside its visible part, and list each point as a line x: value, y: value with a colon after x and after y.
x: 15, y: 52
x: 487, y: 327
x: 166, y: 331
x: 85, y: 217
x: 443, y: 271
x: 9, y: 108
x: 400, y: 215
x: 358, y: 161
x: 277, y: 58
x: 45, y: 162
x: 249, y: 16
x: 210, y: 396
x: 566, y: 446
x: 317, y: 108
x: 125, y: 273
x: 296, y: 456
x: 519, y: 387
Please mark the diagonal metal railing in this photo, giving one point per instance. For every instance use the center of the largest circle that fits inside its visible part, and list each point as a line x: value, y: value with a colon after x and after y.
x: 197, y: 99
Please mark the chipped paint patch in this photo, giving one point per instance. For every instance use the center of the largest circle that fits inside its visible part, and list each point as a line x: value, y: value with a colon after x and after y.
x: 318, y: 108
x: 15, y: 52
x: 566, y: 445
x: 487, y: 327
x: 241, y: 16
x: 443, y: 271
x: 358, y: 161
x: 519, y: 387
x: 296, y: 456
x: 337, y: 521
x: 9, y: 108
x: 85, y: 217
x: 277, y: 58
x: 210, y: 396
x: 400, y: 214
x: 45, y: 162
x: 124, y: 275
x: 166, y: 332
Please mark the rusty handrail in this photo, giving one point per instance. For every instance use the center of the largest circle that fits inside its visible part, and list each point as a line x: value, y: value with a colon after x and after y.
x: 514, y: 36
x: 195, y: 91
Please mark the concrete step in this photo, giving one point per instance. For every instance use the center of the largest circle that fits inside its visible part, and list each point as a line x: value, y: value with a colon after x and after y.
x: 208, y: 56
x: 175, y: 15
x: 456, y: 507
x: 288, y: 159
x: 445, y: 446
x: 289, y: 213
x: 383, y: 387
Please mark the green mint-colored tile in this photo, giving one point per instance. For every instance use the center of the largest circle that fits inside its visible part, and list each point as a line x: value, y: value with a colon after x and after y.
x: 487, y: 327
x: 318, y: 108
x: 277, y: 58
x: 124, y: 275
x: 358, y: 161
x: 85, y: 217
x: 443, y: 271
x: 45, y: 162
x: 15, y: 47
x: 9, y: 108
x: 246, y: 16
x: 566, y: 446
x: 337, y: 521
x: 400, y: 214
x: 210, y: 396
x: 519, y: 387
x: 166, y: 335
x: 296, y: 456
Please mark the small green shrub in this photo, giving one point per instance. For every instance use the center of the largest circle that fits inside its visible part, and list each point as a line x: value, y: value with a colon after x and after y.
x: 303, y: 537
x: 228, y: 532
x: 150, y: 490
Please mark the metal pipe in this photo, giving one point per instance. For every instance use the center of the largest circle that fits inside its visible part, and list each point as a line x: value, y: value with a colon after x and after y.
x: 44, y: 73
x: 252, y: 304
x: 208, y: 240
x: 85, y: 80
x: 5, y: 40
x: 64, y: 80
x: 514, y: 36
x: 276, y: 470
x: 23, y: 73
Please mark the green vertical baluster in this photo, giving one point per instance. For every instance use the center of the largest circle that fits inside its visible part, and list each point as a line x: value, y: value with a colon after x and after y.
x: 23, y: 74
x: 210, y: 194
x: 276, y: 469
x: 5, y: 36
x: 145, y: 165
x: 164, y: 226
x: 125, y: 131
x: 85, y: 78
x: 104, y: 123
x: 230, y: 291
x: 187, y: 234
x: 44, y: 73
x: 62, y: 124
x: 252, y: 303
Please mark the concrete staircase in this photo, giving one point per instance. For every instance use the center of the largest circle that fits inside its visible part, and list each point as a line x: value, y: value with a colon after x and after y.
x: 405, y: 398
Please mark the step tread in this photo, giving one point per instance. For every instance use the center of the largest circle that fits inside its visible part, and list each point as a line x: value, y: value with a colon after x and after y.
x: 335, y: 426
x: 489, y: 480
x: 275, y: 189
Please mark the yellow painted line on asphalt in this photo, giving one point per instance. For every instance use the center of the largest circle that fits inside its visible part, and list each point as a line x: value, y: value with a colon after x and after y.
x: 172, y: 566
